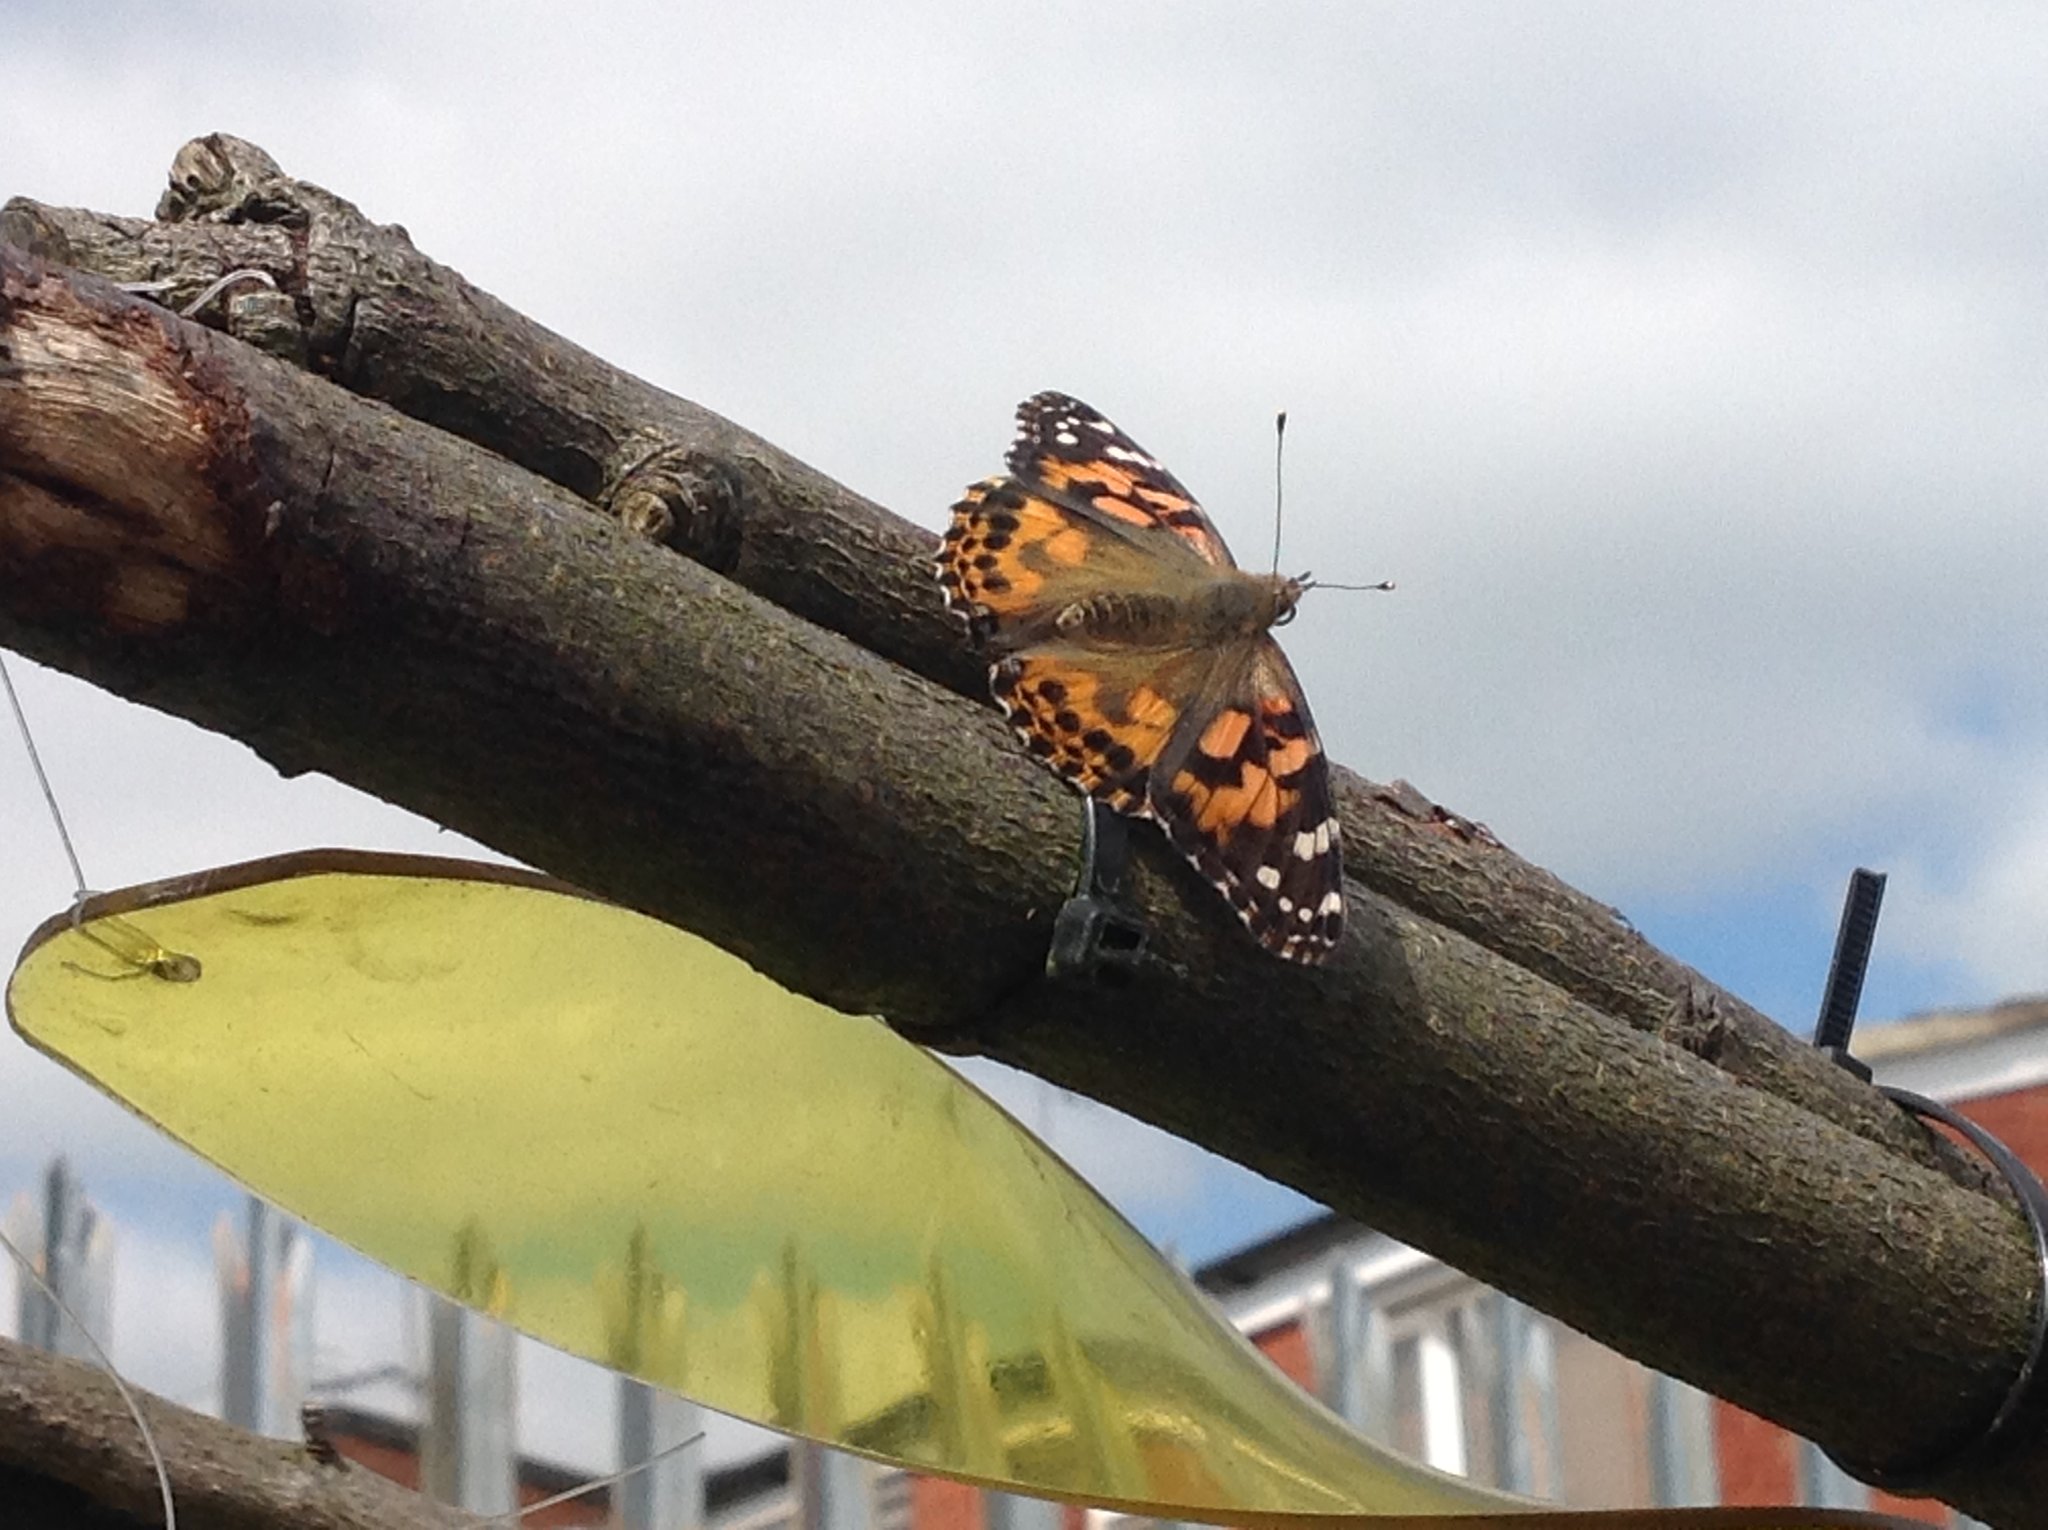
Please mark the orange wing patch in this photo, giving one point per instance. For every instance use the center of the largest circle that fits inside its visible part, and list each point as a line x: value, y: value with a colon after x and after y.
x: 1249, y: 804
x: 981, y: 561
x: 1227, y: 790
x: 1112, y: 489
x: 1069, y: 451
x: 1102, y: 738
x: 1127, y: 496
x: 1245, y: 770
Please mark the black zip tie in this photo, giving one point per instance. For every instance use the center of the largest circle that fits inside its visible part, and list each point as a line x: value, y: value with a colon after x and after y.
x: 2019, y: 1412
x: 1093, y: 935
x: 1844, y: 992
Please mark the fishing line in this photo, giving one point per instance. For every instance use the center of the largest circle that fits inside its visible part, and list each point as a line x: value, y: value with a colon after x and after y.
x: 167, y: 964
x: 35, y: 761
x: 156, y: 1459
x: 78, y: 897
x: 513, y: 1516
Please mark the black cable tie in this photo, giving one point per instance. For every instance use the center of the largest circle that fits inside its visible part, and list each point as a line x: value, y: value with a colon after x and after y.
x: 1837, y: 1022
x: 1093, y: 935
x: 2018, y: 1413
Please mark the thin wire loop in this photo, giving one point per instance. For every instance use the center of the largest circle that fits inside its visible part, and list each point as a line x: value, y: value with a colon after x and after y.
x: 2019, y: 1412
x: 208, y: 293
x: 214, y: 290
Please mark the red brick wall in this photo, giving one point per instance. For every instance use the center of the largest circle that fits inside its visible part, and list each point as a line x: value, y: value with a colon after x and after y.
x: 1287, y: 1347
x: 1758, y: 1462
x: 2019, y: 1120
x: 1923, y: 1509
x: 388, y: 1461
x: 937, y: 1504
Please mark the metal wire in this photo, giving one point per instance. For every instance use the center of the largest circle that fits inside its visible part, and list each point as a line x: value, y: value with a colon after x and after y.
x: 2018, y: 1413
x: 35, y: 761
x: 156, y: 1458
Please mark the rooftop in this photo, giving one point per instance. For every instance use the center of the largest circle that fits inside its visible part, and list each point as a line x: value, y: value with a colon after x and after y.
x: 1941, y: 1029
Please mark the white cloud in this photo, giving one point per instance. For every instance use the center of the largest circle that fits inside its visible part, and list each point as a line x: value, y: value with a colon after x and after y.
x: 1989, y: 917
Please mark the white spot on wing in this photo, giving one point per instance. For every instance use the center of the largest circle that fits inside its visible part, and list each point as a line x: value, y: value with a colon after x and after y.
x: 1269, y: 877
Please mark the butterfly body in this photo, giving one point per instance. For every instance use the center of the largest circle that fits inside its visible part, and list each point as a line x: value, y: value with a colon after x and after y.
x: 1218, y: 610
x: 1136, y: 660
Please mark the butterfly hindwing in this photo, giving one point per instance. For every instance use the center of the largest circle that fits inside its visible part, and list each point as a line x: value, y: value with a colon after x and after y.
x: 1245, y: 794
x: 1099, y: 721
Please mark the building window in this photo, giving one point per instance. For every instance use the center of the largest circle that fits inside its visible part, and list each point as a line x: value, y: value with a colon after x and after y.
x: 1472, y: 1386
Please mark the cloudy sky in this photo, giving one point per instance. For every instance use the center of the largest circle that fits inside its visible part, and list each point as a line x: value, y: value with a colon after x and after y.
x: 1686, y: 366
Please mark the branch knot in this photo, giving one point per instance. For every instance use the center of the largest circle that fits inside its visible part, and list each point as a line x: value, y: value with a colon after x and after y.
x: 684, y: 499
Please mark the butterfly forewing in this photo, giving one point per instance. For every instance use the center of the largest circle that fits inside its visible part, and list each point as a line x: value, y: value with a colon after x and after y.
x: 1071, y: 452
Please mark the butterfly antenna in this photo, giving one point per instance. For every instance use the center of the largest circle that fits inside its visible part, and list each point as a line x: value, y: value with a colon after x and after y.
x: 1279, y: 485
x: 1279, y: 448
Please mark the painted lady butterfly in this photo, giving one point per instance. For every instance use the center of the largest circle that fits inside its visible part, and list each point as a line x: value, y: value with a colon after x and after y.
x: 1136, y: 660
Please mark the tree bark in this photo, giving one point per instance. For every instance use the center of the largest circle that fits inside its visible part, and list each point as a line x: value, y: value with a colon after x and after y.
x: 71, y: 1458
x: 770, y: 742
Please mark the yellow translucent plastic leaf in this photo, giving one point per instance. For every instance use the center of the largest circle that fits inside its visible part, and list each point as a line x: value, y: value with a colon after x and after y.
x: 628, y: 1143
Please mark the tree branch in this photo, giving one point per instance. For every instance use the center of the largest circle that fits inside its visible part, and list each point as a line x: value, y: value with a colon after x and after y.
x: 361, y: 306
x: 71, y: 1458
x: 1492, y: 1068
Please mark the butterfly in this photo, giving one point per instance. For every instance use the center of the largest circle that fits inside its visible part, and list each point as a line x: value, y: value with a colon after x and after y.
x: 1136, y: 660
